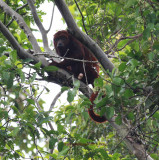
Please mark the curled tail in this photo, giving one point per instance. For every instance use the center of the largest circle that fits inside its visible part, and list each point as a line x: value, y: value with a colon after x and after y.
x: 95, y: 117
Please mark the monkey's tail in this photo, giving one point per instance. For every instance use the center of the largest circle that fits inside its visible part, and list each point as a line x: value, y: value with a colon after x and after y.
x: 95, y: 117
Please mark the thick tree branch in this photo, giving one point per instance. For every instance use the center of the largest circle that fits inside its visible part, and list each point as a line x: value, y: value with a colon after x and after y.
x: 21, y: 52
x: 38, y: 23
x: 72, y: 26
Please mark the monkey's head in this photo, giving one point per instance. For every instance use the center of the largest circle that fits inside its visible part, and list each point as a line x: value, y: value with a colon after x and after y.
x: 61, y: 41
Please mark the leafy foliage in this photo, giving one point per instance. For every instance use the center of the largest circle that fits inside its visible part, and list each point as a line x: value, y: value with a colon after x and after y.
x: 128, y: 32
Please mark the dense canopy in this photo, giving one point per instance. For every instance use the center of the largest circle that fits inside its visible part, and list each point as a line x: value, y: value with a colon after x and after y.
x: 124, y: 37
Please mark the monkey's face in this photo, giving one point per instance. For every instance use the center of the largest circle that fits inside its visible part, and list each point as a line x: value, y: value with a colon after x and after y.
x: 61, y: 45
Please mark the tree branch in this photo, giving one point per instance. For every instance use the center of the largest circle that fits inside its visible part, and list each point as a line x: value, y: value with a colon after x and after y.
x: 41, y: 28
x: 21, y: 7
x: 21, y: 52
x: 38, y: 23
x: 54, y: 101
x: 52, y: 16
x: 81, y: 16
x: 114, y: 45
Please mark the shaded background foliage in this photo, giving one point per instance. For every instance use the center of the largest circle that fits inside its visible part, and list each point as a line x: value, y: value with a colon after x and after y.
x: 127, y: 31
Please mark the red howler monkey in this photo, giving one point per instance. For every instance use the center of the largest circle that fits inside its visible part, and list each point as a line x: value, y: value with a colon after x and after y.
x: 68, y: 46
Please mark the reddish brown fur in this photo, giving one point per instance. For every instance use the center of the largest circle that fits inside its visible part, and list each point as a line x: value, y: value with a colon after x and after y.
x: 76, y: 51
x: 95, y: 117
x: 68, y: 46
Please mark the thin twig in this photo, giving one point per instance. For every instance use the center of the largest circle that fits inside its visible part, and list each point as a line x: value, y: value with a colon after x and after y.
x: 82, y: 17
x: 54, y: 101
x: 36, y: 145
x: 52, y: 16
x: 73, y: 59
x: 21, y: 7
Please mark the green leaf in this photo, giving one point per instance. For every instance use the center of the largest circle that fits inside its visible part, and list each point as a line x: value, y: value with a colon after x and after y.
x: 131, y: 116
x: 3, y: 114
x: 1, y: 41
x: 13, y: 56
x: 18, y: 153
x: 19, y: 64
x: 104, y: 154
x: 122, y: 43
x: 134, y: 62
x: 85, y: 103
x: 117, y: 156
x: 2, y: 49
x: 64, y: 151
x: 76, y: 84
x: 22, y: 75
x: 69, y: 117
x: 146, y: 33
x: 92, y: 7
x: 128, y: 93
x: 31, y: 101
x: 64, y: 88
x: 32, y: 78
x: 118, y: 120
x: 52, y: 142
x: 85, y: 115
x: 15, y: 131
x: 156, y: 45
x: 109, y: 91
x: 83, y: 97
x: 44, y: 120
x: 129, y: 3
x: 151, y: 25
x: 102, y: 103
x: 151, y: 56
x: 98, y: 82
x: 84, y: 140
x: 10, y: 80
x: 156, y: 115
x: 69, y: 107
x: 18, y: 37
x: 109, y: 112
x: 30, y: 125
x: 61, y: 129
x: 50, y: 68
x: 60, y: 146
x: 122, y: 66
x: 71, y: 94
x: 37, y: 65
x: 117, y: 81
x: 102, y: 111
x: 3, y: 58
x: 5, y: 76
